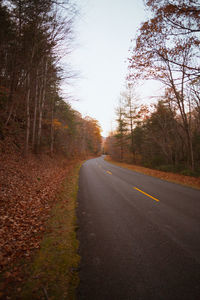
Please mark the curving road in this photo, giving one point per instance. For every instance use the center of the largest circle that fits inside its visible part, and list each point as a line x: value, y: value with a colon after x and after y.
x: 139, y: 236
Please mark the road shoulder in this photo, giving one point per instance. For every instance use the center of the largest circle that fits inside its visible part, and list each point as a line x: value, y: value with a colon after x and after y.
x: 171, y: 177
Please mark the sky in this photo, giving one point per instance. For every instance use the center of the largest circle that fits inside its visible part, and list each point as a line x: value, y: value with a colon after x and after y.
x: 103, y: 33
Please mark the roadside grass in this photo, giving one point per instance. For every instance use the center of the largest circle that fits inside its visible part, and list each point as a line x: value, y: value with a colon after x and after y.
x: 190, y: 181
x: 53, y: 271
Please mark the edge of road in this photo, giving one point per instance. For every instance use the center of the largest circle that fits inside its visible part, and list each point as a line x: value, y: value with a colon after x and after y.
x: 189, y: 181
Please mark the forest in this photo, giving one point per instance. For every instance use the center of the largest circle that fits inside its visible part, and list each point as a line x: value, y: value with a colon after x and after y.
x: 44, y: 141
x: 34, y: 116
x: 164, y: 135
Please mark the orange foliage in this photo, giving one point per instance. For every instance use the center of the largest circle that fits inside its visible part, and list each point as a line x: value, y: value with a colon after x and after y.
x: 58, y: 125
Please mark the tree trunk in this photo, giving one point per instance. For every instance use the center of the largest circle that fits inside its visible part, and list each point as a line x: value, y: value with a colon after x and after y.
x: 181, y: 105
x: 122, y: 150
x: 27, y: 115
x: 41, y: 107
x: 35, y: 111
x: 10, y: 97
x: 190, y: 150
x: 132, y: 139
x: 52, y: 129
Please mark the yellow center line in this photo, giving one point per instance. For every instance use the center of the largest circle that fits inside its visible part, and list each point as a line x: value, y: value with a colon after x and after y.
x: 109, y: 172
x: 146, y: 194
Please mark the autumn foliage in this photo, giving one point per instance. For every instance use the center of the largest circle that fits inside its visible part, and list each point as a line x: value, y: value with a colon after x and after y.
x: 165, y: 49
x: 28, y: 191
x: 35, y: 35
x: 41, y: 135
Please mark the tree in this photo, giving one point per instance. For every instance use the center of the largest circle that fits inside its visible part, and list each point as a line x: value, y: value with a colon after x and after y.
x: 161, y: 128
x: 178, y: 21
x: 121, y: 138
x: 162, y: 53
x: 182, y: 15
x: 29, y: 70
x: 92, y: 135
x: 130, y: 100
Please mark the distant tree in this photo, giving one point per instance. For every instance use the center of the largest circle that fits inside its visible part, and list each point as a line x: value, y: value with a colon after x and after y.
x: 130, y: 105
x: 121, y: 131
x: 161, y: 127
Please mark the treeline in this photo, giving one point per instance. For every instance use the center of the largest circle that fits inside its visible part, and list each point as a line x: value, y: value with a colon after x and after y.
x: 35, y: 35
x: 165, y: 135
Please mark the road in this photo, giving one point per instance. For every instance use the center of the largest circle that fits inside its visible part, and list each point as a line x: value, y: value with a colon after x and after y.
x: 139, y: 236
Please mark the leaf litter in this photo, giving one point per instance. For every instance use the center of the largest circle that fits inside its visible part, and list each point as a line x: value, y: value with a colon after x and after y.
x: 28, y: 189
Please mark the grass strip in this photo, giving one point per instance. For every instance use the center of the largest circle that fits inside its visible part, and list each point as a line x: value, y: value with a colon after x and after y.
x: 190, y: 181
x: 53, y: 273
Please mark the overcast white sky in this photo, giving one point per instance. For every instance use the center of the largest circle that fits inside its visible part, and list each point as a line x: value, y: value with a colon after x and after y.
x: 103, y: 38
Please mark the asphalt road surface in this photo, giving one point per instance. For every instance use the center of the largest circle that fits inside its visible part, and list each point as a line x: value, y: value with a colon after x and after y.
x: 139, y: 236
